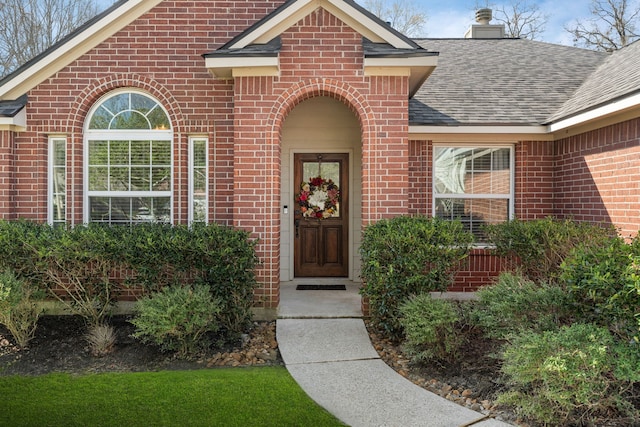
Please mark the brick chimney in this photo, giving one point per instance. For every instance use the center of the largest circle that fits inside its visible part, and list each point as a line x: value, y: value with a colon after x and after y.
x: 483, y: 29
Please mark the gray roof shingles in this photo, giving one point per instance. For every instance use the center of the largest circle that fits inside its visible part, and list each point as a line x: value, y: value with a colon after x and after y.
x: 9, y: 108
x: 499, y: 81
x: 617, y: 77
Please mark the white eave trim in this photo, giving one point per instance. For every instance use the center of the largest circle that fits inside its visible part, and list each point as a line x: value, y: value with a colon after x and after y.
x: 610, y: 108
x: 280, y: 22
x: 451, y: 133
x: 417, y: 68
x: 75, y: 47
x: 16, y: 123
x: 226, y: 68
x: 416, y: 61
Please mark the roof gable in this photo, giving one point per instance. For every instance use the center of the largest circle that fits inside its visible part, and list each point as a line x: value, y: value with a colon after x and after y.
x: 255, y: 52
x: 347, y: 11
x: 76, y: 44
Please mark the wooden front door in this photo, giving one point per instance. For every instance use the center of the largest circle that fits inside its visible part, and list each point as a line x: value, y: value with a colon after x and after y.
x: 321, y: 220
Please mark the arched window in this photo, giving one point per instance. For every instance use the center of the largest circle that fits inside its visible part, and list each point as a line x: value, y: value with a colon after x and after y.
x: 128, y: 160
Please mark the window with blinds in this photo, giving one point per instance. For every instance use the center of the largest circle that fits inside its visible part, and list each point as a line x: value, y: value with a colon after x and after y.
x: 473, y: 184
x: 128, y: 164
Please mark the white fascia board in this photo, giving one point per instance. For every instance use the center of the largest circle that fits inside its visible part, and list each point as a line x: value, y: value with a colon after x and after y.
x: 224, y: 67
x: 15, y: 123
x: 417, y: 68
x: 610, y: 108
x: 417, y: 61
x: 75, y: 47
x: 451, y: 133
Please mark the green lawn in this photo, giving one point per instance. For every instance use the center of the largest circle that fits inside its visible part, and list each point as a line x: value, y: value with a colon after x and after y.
x: 265, y: 396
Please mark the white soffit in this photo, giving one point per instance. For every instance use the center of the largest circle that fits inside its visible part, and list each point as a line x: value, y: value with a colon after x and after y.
x: 417, y: 68
x: 15, y: 123
x: 360, y: 22
x: 73, y: 48
x: 226, y: 68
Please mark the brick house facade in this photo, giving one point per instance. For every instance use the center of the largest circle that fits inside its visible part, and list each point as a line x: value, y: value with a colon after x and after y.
x: 233, y: 96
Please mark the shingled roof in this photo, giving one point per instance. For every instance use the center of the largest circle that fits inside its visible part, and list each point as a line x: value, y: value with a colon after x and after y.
x: 499, y: 81
x: 617, y: 77
x: 9, y: 108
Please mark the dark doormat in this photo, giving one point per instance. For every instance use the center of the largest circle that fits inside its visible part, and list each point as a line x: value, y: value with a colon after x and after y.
x: 321, y: 288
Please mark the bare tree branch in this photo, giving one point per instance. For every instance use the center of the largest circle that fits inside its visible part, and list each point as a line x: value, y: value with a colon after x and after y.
x: 521, y: 19
x: 29, y: 27
x: 403, y: 15
x: 612, y: 27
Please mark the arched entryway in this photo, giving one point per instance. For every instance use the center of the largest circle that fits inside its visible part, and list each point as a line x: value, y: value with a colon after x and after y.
x: 321, y: 134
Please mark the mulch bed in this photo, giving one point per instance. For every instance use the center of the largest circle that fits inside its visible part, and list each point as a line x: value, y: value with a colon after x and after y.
x: 60, y: 346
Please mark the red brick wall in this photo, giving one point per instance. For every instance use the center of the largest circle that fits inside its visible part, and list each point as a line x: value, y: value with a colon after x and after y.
x: 420, y: 183
x: 161, y: 54
x: 307, y: 69
x: 598, y: 177
x: 534, y: 176
x: 7, y: 183
x: 534, y: 173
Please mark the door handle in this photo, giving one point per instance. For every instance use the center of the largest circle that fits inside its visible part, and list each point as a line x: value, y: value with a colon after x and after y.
x: 297, y: 225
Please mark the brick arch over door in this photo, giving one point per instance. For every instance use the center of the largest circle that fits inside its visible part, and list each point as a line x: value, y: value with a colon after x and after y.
x: 80, y: 109
x: 355, y: 101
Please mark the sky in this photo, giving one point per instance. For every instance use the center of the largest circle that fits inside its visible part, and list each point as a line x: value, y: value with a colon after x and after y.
x: 452, y: 18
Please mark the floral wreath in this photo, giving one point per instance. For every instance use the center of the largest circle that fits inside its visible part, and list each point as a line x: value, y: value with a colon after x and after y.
x: 318, y: 198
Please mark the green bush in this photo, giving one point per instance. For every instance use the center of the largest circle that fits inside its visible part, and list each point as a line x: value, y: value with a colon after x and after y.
x: 79, y: 265
x: 564, y: 377
x: 85, y: 267
x: 19, y: 242
x: 431, y: 329
x: 406, y: 256
x: 177, y: 318
x: 19, y: 312
x: 219, y: 257
x: 605, y: 284
x: 538, y: 247
x: 515, y: 303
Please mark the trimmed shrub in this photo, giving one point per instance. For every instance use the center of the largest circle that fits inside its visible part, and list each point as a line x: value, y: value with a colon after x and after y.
x: 406, y: 256
x: 19, y: 313
x: 219, y: 257
x: 431, y: 329
x: 538, y: 247
x: 177, y: 318
x: 85, y: 267
x: 79, y: 265
x: 605, y: 284
x: 226, y: 261
x: 19, y: 243
x: 515, y: 304
x: 564, y: 376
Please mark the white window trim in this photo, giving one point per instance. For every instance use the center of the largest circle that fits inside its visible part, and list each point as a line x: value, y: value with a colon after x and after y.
x: 123, y: 135
x: 192, y: 140
x: 510, y: 196
x: 53, y: 140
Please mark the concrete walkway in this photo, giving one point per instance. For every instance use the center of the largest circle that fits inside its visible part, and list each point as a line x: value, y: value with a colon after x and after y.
x: 326, y: 348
